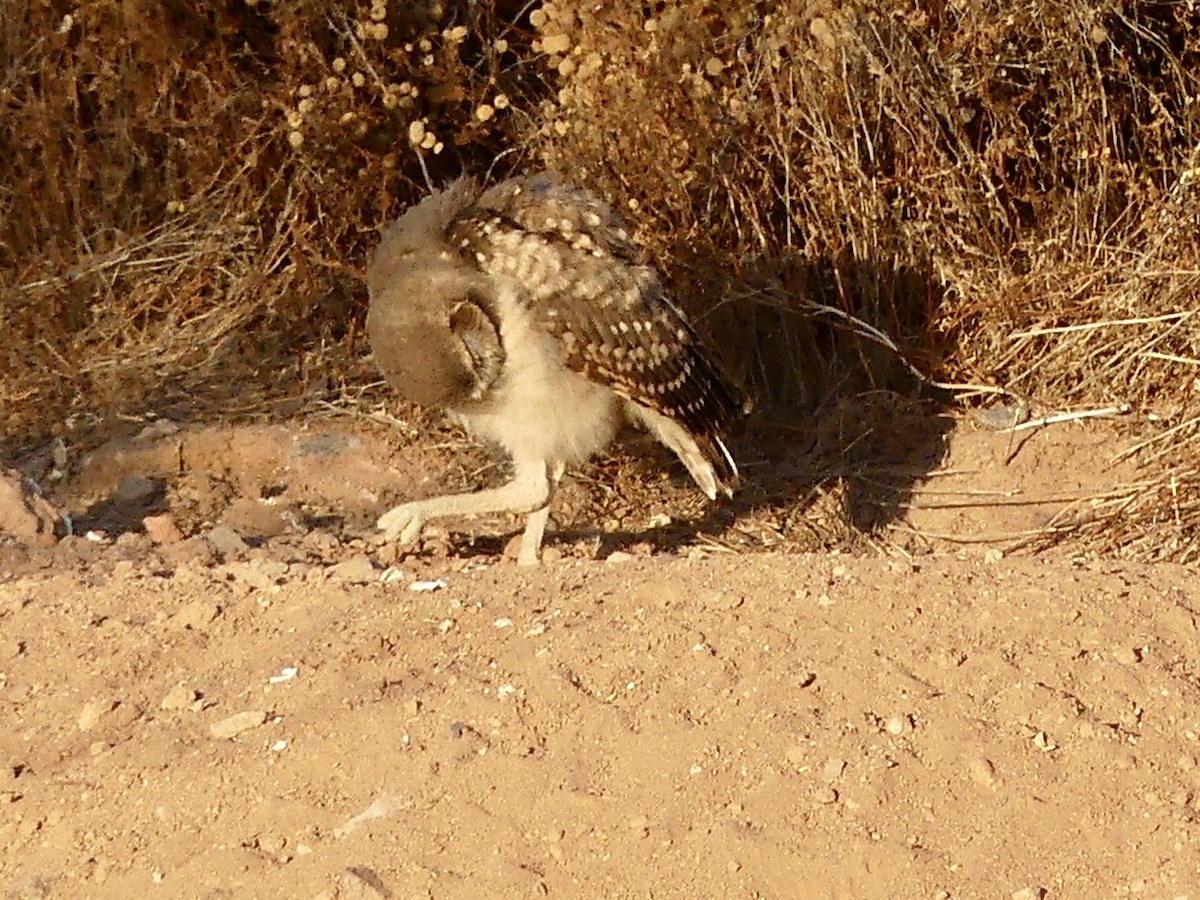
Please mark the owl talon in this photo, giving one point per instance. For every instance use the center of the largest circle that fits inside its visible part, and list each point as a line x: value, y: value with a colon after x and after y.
x: 402, y: 523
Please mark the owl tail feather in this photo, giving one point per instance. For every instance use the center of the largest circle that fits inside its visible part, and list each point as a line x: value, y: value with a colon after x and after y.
x: 706, y: 458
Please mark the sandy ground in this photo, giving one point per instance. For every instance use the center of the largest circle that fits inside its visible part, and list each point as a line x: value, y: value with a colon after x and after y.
x: 233, y: 691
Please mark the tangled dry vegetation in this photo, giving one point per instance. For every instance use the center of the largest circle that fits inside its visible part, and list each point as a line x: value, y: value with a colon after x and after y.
x: 1009, y: 192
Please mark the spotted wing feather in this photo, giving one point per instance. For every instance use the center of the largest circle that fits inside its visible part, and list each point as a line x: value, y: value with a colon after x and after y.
x: 587, y: 283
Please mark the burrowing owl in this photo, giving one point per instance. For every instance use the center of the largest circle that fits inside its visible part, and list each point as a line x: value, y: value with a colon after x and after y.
x: 527, y: 312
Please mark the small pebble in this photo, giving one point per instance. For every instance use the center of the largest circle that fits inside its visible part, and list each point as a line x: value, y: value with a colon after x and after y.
x: 258, y: 573
x: 195, y: 549
x: 162, y: 529
x: 178, y: 697
x: 226, y: 541
x: 93, y: 711
x: 1002, y: 416
x: 832, y: 770
x: 1127, y: 656
x: 271, y: 843
x: 983, y: 773
x: 825, y: 795
x: 1044, y: 742
x: 356, y: 570
x: 231, y: 727
x: 1029, y: 893
x: 196, y: 616
x: 136, y: 489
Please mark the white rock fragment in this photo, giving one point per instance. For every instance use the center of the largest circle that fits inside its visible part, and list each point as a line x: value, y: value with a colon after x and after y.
x: 285, y: 674
x: 427, y: 586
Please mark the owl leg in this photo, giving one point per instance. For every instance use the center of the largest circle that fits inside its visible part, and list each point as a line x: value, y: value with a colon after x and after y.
x: 535, y: 524
x: 528, y: 492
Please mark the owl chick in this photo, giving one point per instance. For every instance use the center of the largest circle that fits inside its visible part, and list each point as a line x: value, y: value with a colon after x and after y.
x: 528, y: 314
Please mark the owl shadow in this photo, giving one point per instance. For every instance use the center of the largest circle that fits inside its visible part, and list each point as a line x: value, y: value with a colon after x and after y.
x: 841, y: 357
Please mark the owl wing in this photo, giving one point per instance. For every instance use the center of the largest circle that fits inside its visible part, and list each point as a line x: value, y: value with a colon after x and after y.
x: 586, y: 283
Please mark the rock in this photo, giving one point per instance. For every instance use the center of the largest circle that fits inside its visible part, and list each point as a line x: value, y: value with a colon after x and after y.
x: 825, y: 795
x: 231, y: 727
x: 1127, y: 656
x: 93, y: 711
x: 983, y: 773
x: 162, y: 529
x: 227, y: 542
x: 136, y: 489
x: 325, y: 446
x: 272, y: 845
x: 362, y: 883
x: 179, y: 697
x: 258, y: 573
x: 196, y: 616
x: 195, y: 549
x: 356, y: 570
x: 75, y: 549
x: 256, y: 518
x: 832, y: 770
x: 24, y: 512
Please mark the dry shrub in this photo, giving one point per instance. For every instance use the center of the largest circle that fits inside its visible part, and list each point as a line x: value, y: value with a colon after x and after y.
x: 191, y: 189
x: 1007, y: 192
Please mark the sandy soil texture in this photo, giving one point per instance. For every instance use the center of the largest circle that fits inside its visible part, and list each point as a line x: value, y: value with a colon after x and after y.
x: 231, y: 690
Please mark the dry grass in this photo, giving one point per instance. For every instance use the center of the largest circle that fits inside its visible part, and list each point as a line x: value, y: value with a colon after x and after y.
x: 1007, y: 195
